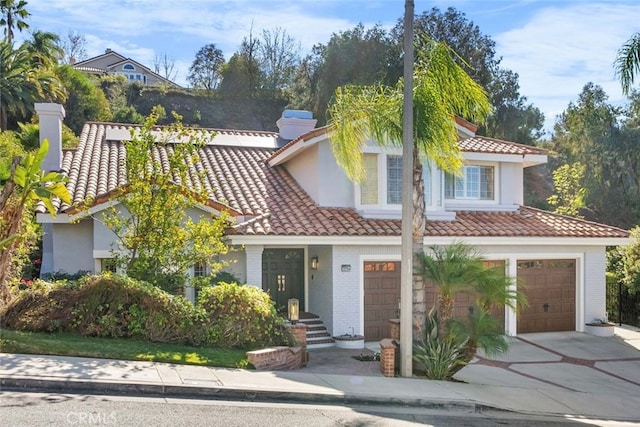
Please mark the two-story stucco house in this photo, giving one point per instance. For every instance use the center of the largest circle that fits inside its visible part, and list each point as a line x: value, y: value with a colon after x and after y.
x: 111, y: 62
x: 304, y: 230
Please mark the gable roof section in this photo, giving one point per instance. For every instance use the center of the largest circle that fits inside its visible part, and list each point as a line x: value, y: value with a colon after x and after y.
x: 474, y: 144
x: 269, y: 202
x: 85, y: 65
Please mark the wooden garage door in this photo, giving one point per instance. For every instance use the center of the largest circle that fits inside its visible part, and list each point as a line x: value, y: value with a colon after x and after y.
x: 381, y: 295
x: 550, y: 287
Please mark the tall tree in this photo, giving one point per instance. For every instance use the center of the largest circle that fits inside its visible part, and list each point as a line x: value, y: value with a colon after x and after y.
x: 441, y: 90
x: 594, y: 132
x: 12, y: 16
x: 85, y: 101
x: 513, y: 118
x: 279, y: 55
x: 358, y: 56
x: 205, y: 71
x: 627, y: 63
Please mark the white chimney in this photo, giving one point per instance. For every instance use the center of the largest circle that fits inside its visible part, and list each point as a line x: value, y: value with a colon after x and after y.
x: 51, y: 116
x: 294, y: 123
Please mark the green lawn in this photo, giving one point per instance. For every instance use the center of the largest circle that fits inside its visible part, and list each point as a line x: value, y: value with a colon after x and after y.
x: 123, y: 349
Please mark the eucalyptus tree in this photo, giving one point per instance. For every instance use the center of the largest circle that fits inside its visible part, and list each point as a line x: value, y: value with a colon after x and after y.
x: 442, y: 90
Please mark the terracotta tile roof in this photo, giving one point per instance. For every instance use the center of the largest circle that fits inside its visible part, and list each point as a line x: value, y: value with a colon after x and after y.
x: 270, y: 202
x: 475, y: 144
x: 482, y: 144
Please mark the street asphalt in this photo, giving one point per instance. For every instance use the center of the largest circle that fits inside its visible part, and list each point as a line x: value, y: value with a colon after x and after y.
x: 557, y: 374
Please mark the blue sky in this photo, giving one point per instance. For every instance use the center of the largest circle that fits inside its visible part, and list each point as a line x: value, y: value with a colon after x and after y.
x: 555, y: 46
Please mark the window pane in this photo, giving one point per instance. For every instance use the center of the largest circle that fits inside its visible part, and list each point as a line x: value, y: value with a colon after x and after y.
x: 472, y: 175
x: 369, y: 187
x: 486, y: 183
x: 449, y: 181
x: 394, y: 180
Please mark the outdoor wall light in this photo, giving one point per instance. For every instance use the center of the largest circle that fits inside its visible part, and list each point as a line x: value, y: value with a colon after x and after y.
x: 314, y: 263
x: 293, y: 307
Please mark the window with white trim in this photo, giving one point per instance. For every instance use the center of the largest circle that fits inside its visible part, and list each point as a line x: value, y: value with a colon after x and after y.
x: 476, y: 183
x: 394, y: 180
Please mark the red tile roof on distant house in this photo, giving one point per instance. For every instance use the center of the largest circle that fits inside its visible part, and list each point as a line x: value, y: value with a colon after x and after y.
x: 269, y: 202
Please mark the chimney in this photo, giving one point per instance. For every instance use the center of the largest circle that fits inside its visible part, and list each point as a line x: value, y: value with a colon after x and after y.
x: 51, y: 116
x: 294, y: 123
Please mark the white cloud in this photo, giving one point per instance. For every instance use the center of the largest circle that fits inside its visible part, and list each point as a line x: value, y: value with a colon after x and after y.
x: 560, y: 49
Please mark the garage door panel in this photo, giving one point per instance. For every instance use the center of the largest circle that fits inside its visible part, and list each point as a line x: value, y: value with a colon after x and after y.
x: 549, y: 286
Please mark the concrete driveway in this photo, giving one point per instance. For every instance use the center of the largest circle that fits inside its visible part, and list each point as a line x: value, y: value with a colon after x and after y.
x: 570, y: 361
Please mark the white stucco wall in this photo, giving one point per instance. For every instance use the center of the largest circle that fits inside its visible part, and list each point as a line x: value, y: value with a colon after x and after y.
x: 317, y: 172
x: 237, y: 262
x: 72, y: 247
x: 595, y: 304
x: 304, y: 169
x: 337, y: 190
x: 510, y: 184
x: 320, y: 289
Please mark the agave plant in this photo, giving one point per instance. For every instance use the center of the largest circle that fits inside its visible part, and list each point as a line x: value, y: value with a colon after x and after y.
x: 439, y: 357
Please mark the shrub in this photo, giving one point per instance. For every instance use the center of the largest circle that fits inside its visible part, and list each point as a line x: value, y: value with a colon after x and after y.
x: 106, y: 306
x: 242, y: 316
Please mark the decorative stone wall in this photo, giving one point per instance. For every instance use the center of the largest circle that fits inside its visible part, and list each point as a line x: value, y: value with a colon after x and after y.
x: 388, y: 358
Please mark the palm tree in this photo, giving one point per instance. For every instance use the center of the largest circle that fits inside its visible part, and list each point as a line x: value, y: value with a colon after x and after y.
x: 23, y: 83
x: 452, y: 269
x: 627, y: 63
x: 12, y: 16
x: 459, y: 268
x: 441, y: 91
x: 46, y: 48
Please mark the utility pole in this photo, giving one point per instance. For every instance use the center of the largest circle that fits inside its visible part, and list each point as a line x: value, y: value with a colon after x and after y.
x: 406, y: 269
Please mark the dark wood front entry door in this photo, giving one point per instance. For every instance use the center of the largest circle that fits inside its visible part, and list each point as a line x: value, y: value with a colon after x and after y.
x: 283, y: 275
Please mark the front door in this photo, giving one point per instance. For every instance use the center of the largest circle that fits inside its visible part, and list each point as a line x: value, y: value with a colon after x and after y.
x: 283, y: 275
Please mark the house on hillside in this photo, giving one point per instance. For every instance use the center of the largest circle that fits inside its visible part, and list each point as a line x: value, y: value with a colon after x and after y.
x: 111, y: 62
x: 303, y: 230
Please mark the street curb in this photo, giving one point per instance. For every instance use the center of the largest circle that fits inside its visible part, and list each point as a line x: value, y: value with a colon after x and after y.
x: 194, y: 392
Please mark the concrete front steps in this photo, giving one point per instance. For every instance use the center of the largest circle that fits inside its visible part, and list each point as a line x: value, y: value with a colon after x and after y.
x: 317, y: 334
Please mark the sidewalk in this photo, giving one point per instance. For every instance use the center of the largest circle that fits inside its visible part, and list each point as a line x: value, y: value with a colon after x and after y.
x: 71, y: 374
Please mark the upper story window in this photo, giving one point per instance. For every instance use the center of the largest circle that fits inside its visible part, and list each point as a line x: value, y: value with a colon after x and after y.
x: 394, y: 180
x: 369, y: 187
x: 128, y: 67
x: 382, y: 186
x: 476, y: 183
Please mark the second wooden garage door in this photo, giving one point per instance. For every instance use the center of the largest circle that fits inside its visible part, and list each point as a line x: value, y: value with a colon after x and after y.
x: 550, y: 287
